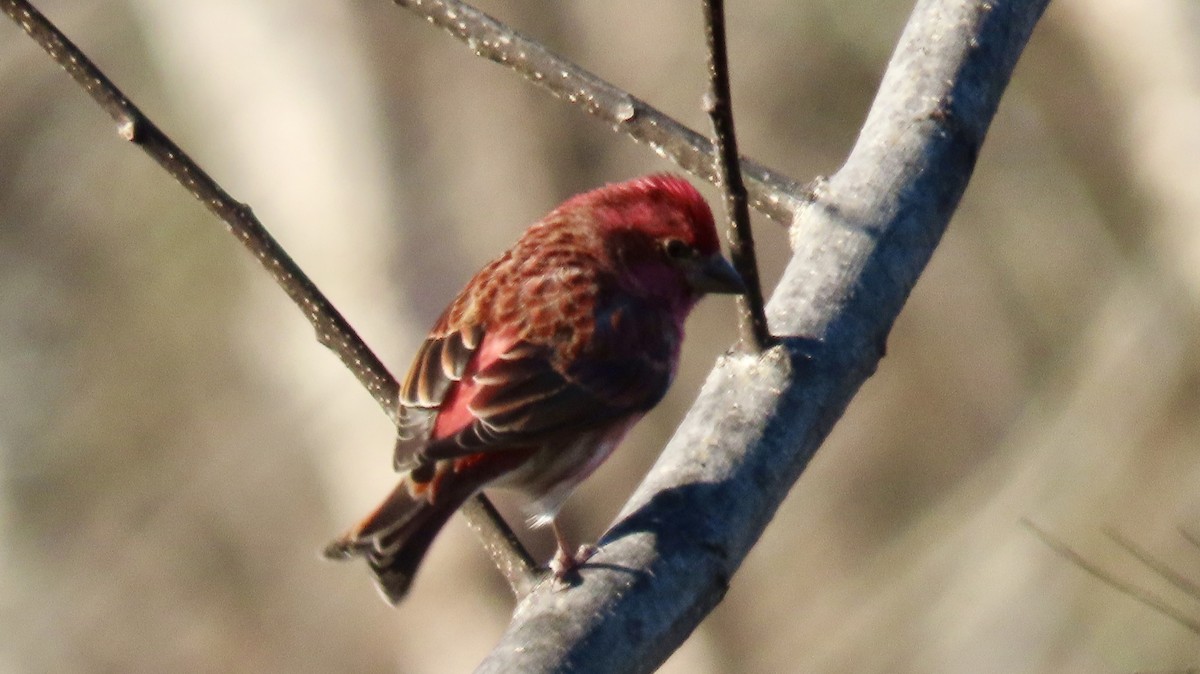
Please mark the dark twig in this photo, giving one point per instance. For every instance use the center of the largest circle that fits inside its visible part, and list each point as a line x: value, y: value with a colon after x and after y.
x: 1156, y: 565
x: 1142, y: 596
x: 331, y: 327
x: 719, y: 105
x: 501, y: 544
x: 771, y: 193
x: 1190, y: 537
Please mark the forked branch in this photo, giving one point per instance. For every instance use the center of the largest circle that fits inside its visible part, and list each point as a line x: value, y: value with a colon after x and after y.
x: 858, y: 249
x: 1139, y: 594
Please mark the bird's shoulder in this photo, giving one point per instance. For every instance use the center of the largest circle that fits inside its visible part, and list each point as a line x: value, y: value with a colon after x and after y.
x: 545, y: 294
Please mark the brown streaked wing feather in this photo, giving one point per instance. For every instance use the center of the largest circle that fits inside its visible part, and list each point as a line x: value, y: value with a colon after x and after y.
x: 439, y: 363
x: 524, y: 400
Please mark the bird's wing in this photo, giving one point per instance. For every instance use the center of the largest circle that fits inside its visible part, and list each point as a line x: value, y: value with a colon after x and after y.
x: 438, y: 367
x: 522, y: 398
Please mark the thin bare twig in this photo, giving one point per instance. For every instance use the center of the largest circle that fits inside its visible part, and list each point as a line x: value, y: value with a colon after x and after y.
x: 332, y: 329
x: 1190, y: 537
x: 719, y: 105
x: 500, y: 543
x: 1140, y: 595
x: 1156, y: 565
x: 771, y: 193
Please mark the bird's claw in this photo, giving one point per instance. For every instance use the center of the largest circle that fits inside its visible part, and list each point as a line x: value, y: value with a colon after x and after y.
x: 564, y: 565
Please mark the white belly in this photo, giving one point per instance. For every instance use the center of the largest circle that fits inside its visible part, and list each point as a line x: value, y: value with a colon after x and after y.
x: 553, y: 473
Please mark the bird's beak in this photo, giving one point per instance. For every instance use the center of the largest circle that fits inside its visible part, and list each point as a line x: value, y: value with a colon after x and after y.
x: 714, y: 274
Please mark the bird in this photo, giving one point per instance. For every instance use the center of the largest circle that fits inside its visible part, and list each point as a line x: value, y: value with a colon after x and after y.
x: 535, y: 371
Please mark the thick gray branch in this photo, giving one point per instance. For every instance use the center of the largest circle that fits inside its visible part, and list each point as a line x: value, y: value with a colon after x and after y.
x: 858, y: 250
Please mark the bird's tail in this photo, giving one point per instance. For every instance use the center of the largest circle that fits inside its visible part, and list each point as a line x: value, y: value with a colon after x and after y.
x: 395, y: 538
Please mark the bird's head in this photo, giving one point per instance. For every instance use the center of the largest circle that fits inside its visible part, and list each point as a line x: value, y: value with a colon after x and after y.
x: 660, y: 232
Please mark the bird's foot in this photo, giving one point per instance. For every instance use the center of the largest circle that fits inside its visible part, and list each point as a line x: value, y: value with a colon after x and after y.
x: 565, y: 566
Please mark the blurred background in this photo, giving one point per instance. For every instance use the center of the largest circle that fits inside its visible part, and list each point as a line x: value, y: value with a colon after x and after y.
x: 176, y: 448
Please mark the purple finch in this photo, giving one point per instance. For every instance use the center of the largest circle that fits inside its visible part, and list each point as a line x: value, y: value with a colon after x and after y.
x: 541, y: 364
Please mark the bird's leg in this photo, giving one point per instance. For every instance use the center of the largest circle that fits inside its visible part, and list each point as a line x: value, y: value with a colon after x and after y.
x: 564, y: 563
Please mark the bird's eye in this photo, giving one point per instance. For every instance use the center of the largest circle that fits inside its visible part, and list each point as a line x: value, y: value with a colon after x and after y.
x: 676, y: 249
